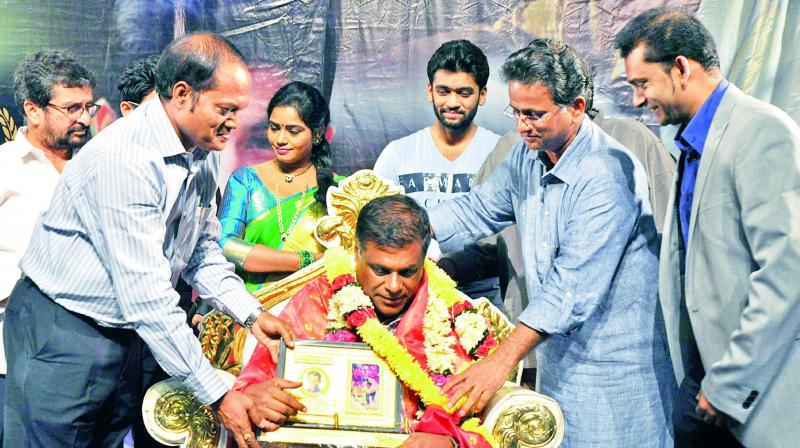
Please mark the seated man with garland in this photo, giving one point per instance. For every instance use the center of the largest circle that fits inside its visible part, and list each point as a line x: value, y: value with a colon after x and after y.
x: 401, y: 305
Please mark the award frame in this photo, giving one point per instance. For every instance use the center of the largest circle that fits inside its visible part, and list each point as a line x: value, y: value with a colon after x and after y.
x: 349, y: 392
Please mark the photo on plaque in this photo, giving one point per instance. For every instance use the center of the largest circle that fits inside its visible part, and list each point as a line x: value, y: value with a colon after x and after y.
x: 315, y: 381
x: 364, y: 386
x: 344, y: 386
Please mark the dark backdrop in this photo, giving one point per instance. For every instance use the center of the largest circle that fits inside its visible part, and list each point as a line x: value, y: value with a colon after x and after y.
x: 367, y: 56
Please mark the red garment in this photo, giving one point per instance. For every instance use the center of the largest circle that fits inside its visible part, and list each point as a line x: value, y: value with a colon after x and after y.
x: 306, y: 313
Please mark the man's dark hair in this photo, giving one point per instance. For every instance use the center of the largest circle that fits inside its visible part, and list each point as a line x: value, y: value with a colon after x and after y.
x: 193, y: 59
x: 316, y: 374
x: 393, y: 221
x: 37, y: 74
x: 668, y: 33
x: 460, y: 56
x: 138, y: 79
x: 554, y: 64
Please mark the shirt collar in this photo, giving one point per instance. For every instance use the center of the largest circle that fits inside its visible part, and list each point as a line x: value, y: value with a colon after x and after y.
x: 168, y: 141
x: 23, y: 147
x: 567, y: 169
x: 694, y: 134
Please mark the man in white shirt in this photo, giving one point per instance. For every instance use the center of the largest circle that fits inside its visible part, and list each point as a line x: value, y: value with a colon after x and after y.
x: 440, y: 161
x: 54, y: 92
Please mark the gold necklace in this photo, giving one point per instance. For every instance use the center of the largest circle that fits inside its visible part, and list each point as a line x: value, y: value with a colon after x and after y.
x: 287, y: 177
x: 285, y: 233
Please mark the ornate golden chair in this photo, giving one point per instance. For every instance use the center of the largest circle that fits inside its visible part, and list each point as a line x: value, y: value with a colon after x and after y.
x: 517, y: 416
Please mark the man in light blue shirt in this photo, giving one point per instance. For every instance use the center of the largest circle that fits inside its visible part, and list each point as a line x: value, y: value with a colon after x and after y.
x: 131, y: 213
x: 591, y: 261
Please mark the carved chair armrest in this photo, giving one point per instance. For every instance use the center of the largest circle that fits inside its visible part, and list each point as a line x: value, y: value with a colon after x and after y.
x: 520, y: 417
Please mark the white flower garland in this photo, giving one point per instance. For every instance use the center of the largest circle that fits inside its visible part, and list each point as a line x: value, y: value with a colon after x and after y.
x: 439, y: 341
x: 335, y: 317
x: 437, y: 327
x: 351, y: 298
x: 471, y: 329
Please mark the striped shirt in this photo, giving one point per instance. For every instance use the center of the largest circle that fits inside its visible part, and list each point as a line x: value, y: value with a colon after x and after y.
x: 132, y: 212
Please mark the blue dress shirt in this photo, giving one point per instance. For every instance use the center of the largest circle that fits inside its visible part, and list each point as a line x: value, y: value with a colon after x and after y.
x: 691, y: 140
x: 133, y: 211
x: 590, y: 252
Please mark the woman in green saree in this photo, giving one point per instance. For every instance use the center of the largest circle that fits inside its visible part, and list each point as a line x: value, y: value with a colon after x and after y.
x: 269, y: 210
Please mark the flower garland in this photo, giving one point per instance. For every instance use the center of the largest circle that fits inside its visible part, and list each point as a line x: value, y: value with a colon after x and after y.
x: 446, y: 313
x: 470, y: 327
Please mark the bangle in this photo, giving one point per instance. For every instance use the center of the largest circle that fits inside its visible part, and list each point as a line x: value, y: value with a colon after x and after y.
x: 236, y: 251
x: 305, y: 258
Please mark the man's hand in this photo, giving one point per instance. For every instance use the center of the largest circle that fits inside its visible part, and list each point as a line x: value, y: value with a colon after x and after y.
x: 481, y: 380
x: 273, y: 405
x: 478, y: 383
x: 233, y: 412
x: 710, y: 414
x: 268, y: 327
x: 425, y: 440
x: 197, y: 319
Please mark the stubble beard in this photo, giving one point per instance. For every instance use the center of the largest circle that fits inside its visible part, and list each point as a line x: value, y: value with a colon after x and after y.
x: 461, y: 125
x: 66, y: 141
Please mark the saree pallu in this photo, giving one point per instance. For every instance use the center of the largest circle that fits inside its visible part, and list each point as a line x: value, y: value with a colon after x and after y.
x: 249, y: 215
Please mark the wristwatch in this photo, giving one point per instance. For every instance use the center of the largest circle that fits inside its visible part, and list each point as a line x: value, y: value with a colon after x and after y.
x: 251, y: 319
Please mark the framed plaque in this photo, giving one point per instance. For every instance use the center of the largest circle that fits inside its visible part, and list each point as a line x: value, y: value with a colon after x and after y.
x: 345, y: 386
x: 349, y: 394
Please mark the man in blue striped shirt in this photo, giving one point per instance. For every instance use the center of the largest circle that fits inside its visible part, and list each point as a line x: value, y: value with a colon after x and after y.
x: 131, y: 214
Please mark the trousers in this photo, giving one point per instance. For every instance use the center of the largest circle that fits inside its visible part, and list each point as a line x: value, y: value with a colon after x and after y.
x: 70, y: 381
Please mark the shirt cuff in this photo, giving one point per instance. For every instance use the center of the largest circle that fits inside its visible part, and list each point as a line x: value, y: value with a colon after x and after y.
x: 445, y: 229
x: 241, y: 305
x: 206, y: 384
x: 546, y: 317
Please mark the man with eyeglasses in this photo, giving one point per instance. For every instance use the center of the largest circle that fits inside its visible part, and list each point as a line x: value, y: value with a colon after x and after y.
x: 589, y: 240
x: 128, y: 217
x: 54, y: 93
x: 501, y: 254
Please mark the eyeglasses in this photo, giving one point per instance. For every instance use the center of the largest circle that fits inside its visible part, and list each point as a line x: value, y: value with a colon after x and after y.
x: 75, y: 111
x: 537, y: 118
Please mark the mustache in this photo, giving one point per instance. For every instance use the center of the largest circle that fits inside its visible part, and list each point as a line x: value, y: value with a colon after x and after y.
x: 456, y: 110
x: 223, y: 130
x: 78, y: 128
